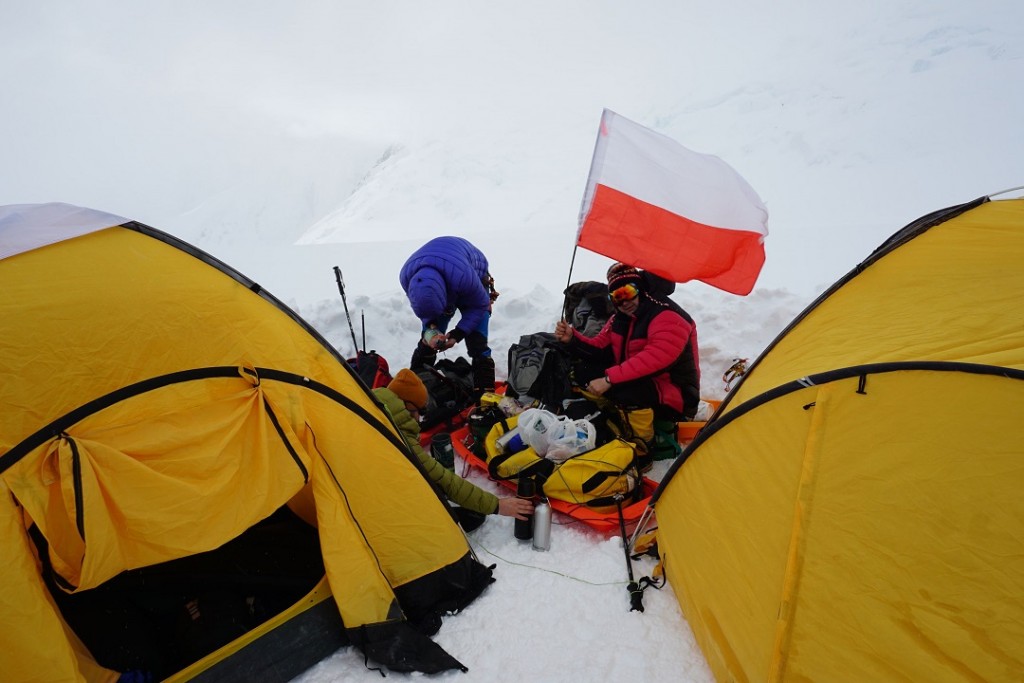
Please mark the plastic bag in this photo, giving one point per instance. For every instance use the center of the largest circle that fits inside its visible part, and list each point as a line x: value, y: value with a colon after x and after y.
x: 570, y: 437
x: 555, y: 437
x: 534, y: 424
x: 704, y: 411
x: 509, y: 406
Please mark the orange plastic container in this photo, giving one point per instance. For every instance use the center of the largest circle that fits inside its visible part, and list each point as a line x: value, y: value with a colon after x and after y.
x: 687, y: 430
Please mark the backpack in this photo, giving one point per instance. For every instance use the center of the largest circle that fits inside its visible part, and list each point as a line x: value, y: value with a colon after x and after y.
x: 371, y: 368
x: 586, y: 306
x: 540, y: 368
x: 480, y: 421
x: 449, y: 389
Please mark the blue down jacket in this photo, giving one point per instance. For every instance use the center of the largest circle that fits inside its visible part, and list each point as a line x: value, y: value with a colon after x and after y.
x: 444, y: 275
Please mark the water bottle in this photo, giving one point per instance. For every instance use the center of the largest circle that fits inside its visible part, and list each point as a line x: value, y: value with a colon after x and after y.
x: 480, y: 423
x: 542, y: 525
x: 441, y: 449
x: 526, y: 488
x: 510, y: 442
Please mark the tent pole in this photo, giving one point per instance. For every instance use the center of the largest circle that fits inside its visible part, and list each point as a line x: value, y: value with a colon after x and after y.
x: 641, y: 525
x: 1012, y: 189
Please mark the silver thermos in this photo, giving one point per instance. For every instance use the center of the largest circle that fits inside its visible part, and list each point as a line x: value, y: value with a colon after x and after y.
x: 542, y: 525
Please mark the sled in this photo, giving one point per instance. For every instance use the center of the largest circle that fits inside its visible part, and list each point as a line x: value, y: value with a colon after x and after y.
x: 603, y: 522
x: 600, y: 520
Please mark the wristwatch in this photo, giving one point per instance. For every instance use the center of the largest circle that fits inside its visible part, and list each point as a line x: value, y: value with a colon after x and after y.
x: 607, y: 380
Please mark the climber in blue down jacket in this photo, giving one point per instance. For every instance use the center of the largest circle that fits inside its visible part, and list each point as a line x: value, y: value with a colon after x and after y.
x: 445, y: 275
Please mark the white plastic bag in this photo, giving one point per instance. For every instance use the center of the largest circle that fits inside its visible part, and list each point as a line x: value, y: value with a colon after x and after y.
x: 555, y: 436
x: 509, y: 406
x: 704, y: 411
x: 534, y: 424
x: 569, y: 437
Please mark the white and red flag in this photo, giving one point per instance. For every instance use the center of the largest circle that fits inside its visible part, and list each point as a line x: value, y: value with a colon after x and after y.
x: 656, y: 205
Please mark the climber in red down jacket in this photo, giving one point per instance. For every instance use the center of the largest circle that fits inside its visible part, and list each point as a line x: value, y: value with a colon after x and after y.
x: 650, y: 349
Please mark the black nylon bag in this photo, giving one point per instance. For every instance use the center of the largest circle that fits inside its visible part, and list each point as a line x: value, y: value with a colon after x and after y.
x: 449, y: 388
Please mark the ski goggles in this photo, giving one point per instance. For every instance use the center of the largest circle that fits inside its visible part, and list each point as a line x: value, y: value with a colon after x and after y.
x: 624, y: 293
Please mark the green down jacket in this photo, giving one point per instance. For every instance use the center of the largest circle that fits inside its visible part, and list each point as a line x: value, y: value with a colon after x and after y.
x: 458, y: 490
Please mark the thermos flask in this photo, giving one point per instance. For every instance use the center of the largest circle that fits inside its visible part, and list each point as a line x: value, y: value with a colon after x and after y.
x: 524, y: 527
x: 542, y: 525
x: 442, y: 450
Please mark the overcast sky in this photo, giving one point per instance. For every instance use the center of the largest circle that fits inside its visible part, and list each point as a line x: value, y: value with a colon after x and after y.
x: 324, y: 122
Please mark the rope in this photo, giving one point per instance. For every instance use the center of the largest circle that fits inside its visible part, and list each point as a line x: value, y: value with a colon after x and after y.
x: 549, y: 571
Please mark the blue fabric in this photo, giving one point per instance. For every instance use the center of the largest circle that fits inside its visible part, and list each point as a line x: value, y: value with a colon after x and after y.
x: 443, y: 322
x: 446, y: 275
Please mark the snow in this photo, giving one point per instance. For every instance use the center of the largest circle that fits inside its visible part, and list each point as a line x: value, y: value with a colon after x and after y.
x: 555, y: 613
x: 288, y: 138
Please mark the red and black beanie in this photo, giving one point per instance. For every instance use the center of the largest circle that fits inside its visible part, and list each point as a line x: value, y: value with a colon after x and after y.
x: 621, y: 274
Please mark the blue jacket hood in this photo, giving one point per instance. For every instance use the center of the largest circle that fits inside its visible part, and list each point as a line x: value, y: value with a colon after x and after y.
x: 427, y: 294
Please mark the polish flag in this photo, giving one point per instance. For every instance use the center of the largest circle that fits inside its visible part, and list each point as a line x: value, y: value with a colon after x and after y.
x: 656, y: 205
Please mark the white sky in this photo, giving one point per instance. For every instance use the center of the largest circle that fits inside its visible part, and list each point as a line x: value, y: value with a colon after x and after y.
x: 286, y: 138
x: 848, y: 119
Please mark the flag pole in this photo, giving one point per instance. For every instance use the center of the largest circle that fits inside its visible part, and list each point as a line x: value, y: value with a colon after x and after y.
x: 568, y: 281
x: 585, y: 205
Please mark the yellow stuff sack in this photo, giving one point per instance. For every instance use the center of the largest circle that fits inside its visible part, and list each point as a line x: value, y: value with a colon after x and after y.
x: 512, y: 465
x: 595, y: 477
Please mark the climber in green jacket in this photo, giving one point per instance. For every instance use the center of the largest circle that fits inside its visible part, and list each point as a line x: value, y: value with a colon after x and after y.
x: 404, y: 397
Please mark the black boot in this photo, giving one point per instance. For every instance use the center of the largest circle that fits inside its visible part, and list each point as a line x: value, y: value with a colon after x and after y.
x: 468, y: 519
x: 423, y: 357
x: 483, y: 375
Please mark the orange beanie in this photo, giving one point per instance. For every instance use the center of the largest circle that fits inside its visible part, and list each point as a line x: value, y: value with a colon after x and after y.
x: 409, y: 387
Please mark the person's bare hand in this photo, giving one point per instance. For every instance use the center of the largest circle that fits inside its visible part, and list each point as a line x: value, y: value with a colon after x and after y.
x: 563, y: 332
x: 598, y: 386
x: 519, y: 508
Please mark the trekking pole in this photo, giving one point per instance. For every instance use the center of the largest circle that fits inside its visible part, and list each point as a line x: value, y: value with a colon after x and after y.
x: 362, y: 321
x: 344, y: 301
x: 636, y: 594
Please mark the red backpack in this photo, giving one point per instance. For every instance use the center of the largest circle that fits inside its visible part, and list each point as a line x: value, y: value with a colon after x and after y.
x: 372, y: 368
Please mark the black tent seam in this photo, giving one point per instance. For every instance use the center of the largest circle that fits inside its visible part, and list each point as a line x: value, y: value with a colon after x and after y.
x: 284, y: 439
x: 61, y: 424
x: 76, y: 475
x: 824, y: 378
x: 338, y: 397
x: 355, y: 520
x: 897, y: 239
x: 246, y: 282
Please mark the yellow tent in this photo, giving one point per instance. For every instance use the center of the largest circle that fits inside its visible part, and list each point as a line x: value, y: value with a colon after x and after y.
x: 166, y: 427
x: 853, y: 511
